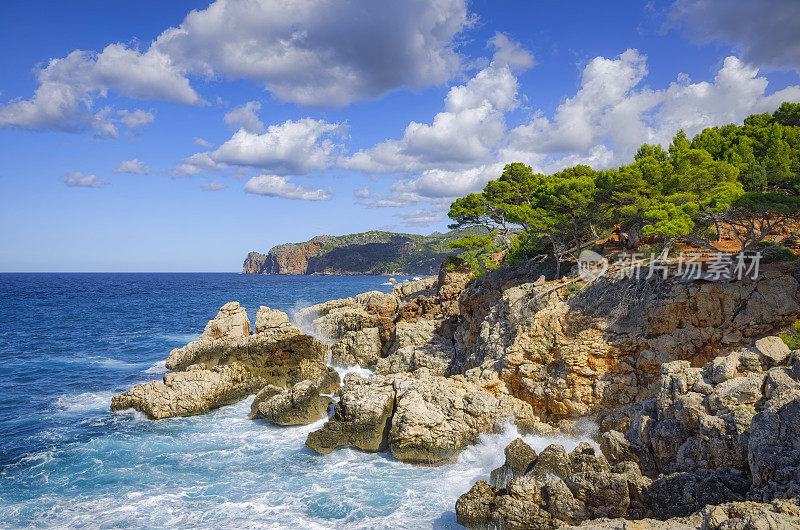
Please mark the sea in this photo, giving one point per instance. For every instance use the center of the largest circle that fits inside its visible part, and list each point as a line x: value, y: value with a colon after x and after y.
x: 68, y: 342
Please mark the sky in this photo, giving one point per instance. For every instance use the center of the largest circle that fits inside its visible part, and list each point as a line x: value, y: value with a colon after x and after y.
x: 178, y: 136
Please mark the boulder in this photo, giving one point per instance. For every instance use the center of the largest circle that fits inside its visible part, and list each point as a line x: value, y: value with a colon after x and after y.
x: 421, y: 418
x: 436, y: 417
x: 191, y: 392
x: 519, y: 460
x: 474, y: 508
x: 360, y: 418
x: 773, y: 350
x: 227, y: 364
x: 230, y: 323
x: 299, y: 405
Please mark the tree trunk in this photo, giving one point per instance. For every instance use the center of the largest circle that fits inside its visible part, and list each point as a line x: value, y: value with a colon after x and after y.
x: 667, y: 247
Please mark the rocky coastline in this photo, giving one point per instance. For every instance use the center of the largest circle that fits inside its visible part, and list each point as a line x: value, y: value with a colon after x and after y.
x: 696, y: 398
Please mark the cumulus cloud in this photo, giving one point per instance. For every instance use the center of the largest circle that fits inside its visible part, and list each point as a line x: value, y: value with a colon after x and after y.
x: 281, y: 186
x: 289, y: 148
x: 69, y: 86
x: 601, y: 125
x: 76, y: 179
x: 362, y: 193
x: 765, y: 32
x: 136, y: 118
x: 245, y: 117
x: 510, y: 53
x: 213, y: 186
x: 421, y: 216
x: 310, y: 52
x: 466, y: 132
x: 135, y: 166
x: 612, y: 114
x: 319, y: 52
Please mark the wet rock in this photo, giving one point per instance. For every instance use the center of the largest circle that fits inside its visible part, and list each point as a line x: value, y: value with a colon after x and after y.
x: 228, y: 363
x: 299, y: 405
x: 436, y: 417
x: 553, y: 460
x: 190, y: 392
x: 474, y: 508
x: 360, y: 418
x: 519, y: 460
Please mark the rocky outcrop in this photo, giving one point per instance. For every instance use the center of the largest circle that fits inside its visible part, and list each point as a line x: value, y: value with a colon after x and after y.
x: 552, y: 489
x: 420, y: 418
x: 581, y: 490
x: 714, y: 436
x: 373, y: 252
x: 254, y: 263
x: 228, y: 363
x: 600, y: 349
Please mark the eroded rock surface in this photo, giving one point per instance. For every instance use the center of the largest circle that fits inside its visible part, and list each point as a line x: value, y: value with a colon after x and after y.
x: 420, y: 418
x: 228, y: 363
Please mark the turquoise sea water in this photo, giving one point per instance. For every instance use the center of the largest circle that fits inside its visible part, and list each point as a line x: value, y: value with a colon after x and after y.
x: 68, y: 342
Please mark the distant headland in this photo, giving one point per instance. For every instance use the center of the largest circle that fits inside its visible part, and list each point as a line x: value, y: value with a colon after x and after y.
x: 373, y: 252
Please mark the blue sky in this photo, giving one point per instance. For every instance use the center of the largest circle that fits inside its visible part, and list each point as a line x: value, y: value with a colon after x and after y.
x: 166, y: 136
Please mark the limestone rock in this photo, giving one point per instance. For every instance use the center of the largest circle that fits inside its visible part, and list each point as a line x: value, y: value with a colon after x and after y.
x: 360, y: 418
x: 299, y: 405
x: 519, y: 460
x: 191, y: 392
x: 436, y: 417
x: 774, y: 349
x: 230, y: 323
x: 227, y: 364
x: 422, y: 418
x: 267, y: 318
x: 474, y: 508
x: 361, y: 347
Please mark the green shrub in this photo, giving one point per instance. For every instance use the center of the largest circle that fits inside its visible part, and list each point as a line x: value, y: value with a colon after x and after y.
x: 774, y: 253
x: 792, y: 337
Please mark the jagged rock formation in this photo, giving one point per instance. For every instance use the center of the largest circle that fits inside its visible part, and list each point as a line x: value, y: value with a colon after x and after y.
x: 724, y: 433
x: 228, y: 363
x: 420, y: 418
x: 372, y: 252
x: 566, y: 354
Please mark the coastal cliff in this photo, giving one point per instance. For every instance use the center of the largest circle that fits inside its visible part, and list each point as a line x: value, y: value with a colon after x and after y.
x: 695, y: 397
x: 373, y: 252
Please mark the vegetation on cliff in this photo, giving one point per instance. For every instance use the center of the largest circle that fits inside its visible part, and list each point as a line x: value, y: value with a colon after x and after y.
x: 374, y: 252
x: 745, y: 178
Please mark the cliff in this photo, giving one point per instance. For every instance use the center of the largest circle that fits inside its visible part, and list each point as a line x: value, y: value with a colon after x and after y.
x: 373, y: 252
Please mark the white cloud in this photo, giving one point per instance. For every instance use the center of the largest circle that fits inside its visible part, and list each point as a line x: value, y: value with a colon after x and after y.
x: 435, y: 184
x: 134, y: 166
x: 612, y: 114
x: 764, y: 31
x: 465, y: 133
x: 309, y: 52
x: 362, y: 193
x: 601, y: 125
x: 510, y: 53
x: 319, y: 52
x: 68, y: 87
x: 213, y: 186
x: 203, y: 143
x: 290, y: 148
x: 421, y: 216
x: 245, y: 117
x: 280, y: 186
x: 135, y: 119
x: 76, y: 179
